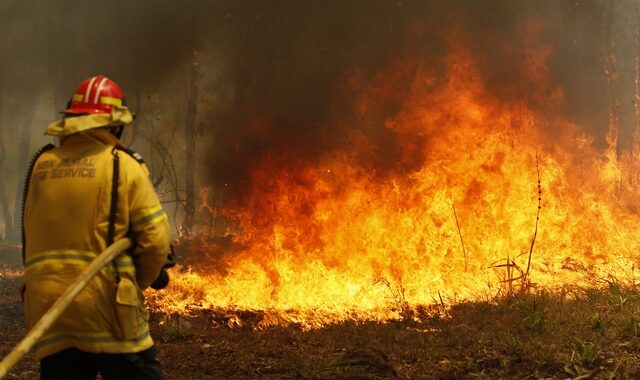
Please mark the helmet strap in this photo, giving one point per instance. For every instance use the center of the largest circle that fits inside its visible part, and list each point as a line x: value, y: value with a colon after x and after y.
x: 117, y: 131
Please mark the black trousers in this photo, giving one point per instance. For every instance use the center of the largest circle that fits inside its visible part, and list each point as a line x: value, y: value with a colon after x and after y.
x: 73, y: 364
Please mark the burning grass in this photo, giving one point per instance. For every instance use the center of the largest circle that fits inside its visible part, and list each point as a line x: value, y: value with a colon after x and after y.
x: 193, y: 291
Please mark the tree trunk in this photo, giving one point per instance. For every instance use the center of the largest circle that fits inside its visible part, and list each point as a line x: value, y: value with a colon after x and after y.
x: 24, y: 155
x: 5, y: 208
x: 613, y: 89
x: 190, y: 154
x: 635, y: 148
x: 613, y: 95
x: 4, y: 200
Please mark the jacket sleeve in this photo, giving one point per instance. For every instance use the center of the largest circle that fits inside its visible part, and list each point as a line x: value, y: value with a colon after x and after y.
x: 150, y: 228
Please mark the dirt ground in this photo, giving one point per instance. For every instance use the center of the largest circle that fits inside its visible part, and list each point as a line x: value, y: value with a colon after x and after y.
x: 531, y: 337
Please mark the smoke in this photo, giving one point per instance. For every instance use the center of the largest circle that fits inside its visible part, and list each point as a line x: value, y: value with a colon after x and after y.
x: 280, y: 80
x: 295, y: 72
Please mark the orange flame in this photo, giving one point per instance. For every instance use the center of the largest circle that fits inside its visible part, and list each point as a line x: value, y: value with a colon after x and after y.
x: 334, y: 240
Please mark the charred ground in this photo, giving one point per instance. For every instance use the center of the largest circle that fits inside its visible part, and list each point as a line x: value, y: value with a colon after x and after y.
x: 592, y: 332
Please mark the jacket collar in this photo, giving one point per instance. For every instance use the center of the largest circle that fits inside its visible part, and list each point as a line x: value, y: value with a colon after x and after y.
x: 70, y: 125
x: 100, y: 135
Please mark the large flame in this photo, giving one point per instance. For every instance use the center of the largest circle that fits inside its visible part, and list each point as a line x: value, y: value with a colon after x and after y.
x: 337, y: 240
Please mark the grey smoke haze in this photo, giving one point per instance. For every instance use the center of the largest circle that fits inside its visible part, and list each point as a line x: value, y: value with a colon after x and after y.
x: 273, y: 73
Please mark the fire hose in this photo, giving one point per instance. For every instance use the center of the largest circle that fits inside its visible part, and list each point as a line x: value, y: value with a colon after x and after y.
x: 54, y: 312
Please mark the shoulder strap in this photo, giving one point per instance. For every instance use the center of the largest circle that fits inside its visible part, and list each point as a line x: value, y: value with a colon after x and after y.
x: 113, y: 211
x: 136, y: 156
x: 25, y: 192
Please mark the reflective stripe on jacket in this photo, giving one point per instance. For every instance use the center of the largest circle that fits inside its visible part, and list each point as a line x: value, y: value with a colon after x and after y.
x: 66, y: 219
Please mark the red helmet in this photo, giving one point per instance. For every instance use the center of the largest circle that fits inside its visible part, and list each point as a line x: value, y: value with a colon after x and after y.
x: 98, y: 94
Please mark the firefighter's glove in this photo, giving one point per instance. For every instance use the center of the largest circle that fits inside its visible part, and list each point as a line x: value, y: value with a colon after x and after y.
x: 171, y: 258
x: 162, y: 280
x: 23, y: 289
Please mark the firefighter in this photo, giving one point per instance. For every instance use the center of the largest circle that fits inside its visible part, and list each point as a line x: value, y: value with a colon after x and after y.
x: 80, y: 197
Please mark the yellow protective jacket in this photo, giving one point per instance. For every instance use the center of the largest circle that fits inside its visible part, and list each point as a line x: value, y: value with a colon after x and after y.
x: 66, y: 219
